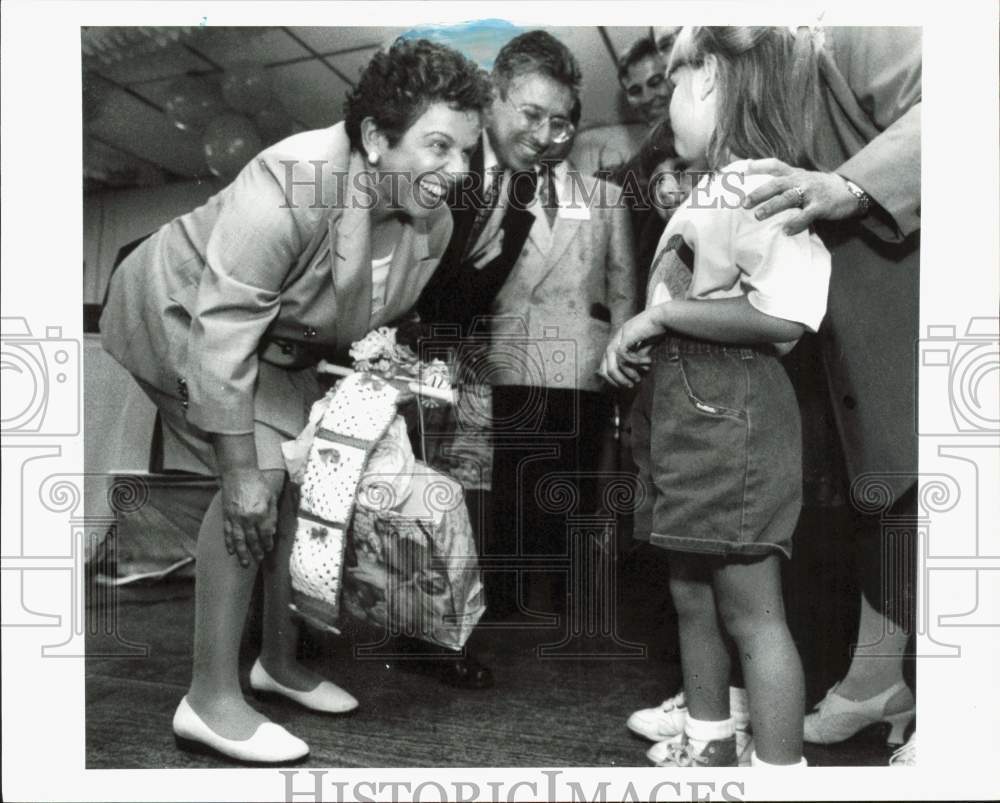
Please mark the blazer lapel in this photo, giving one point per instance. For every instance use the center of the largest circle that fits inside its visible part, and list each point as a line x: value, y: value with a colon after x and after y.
x: 410, y: 269
x: 540, y: 233
x: 564, y: 231
x: 350, y: 242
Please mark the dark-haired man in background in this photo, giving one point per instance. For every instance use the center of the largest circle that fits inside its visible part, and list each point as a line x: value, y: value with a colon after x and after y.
x: 536, y: 82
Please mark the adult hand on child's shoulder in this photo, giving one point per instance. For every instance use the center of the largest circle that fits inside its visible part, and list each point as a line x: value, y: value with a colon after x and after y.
x: 821, y: 196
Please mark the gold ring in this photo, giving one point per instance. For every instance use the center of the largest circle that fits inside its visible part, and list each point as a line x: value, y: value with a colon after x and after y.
x: 800, y: 196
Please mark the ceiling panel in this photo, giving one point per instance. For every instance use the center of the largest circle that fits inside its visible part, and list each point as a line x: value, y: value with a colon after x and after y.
x: 260, y: 46
x: 310, y: 92
x: 623, y: 37
x: 325, y: 40
x: 135, y: 128
x: 599, y: 96
x: 175, y: 60
x: 351, y: 64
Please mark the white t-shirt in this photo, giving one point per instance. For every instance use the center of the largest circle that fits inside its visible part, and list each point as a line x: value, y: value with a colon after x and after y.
x: 735, y: 254
x: 380, y: 276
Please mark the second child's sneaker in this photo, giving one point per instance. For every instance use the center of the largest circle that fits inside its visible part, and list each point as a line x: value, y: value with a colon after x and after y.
x: 665, y: 721
x: 716, y: 753
x: 658, y: 753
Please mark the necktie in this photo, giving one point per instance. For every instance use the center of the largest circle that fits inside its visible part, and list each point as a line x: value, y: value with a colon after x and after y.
x: 491, y: 196
x: 550, y: 200
x: 523, y: 188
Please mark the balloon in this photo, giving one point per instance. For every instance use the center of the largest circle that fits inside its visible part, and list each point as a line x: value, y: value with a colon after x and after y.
x: 230, y: 141
x: 247, y: 87
x: 273, y: 123
x: 192, y: 102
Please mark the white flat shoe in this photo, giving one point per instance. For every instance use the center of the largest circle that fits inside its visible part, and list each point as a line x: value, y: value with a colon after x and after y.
x: 327, y: 697
x: 836, y: 718
x: 270, y: 744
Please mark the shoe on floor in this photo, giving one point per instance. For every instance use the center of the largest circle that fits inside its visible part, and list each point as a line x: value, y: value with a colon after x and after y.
x: 835, y: 718
x: 662, y: 722
x: 327, y: 697
x: 906, y: 756
x: 269, y: 745
x: 452, y: 669
x: 666, y: 720
x: 683, y: 753
x: 658, y: 753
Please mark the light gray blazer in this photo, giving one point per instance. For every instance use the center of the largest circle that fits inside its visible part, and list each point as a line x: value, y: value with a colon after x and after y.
x: 570, y: 289
x: 283, y: 251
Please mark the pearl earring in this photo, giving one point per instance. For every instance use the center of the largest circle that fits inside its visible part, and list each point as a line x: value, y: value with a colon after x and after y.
x: 373, y: 158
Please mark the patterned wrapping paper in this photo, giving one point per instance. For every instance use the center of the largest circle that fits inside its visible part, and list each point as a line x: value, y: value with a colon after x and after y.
x: 413, y: 569
x: 358, y: 412
x: 408, y: 562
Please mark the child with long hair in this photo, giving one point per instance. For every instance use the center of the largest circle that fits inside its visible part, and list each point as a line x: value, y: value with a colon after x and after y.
x: 716, y: 430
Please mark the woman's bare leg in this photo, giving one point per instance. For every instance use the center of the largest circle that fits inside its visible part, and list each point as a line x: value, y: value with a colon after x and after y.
x: 222, y: 597
x: 877, y: 662
x: 280, y: 628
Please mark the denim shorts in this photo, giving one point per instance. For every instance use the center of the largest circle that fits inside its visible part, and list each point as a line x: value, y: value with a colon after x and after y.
x: 717, y: 441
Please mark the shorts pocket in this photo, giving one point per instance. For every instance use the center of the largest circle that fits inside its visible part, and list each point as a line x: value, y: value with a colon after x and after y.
x: 715, y: 384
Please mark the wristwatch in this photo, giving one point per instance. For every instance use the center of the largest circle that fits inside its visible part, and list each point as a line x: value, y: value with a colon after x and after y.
x: 864, y: 199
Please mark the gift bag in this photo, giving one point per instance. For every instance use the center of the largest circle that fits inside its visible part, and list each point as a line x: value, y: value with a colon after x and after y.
x: 344, y: 429
x: 411, y: 566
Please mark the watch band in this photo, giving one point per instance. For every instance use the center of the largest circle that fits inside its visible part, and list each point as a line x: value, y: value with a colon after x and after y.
x: 864, y: 199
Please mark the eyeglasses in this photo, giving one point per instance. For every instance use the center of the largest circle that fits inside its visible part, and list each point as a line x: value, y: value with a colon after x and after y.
x: 560, y: 129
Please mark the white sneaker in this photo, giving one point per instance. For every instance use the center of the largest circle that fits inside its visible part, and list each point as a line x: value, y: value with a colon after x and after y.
x: 660, y: 752
x: 661, y: 723
x: 667, y: 720
x: 906, y: 756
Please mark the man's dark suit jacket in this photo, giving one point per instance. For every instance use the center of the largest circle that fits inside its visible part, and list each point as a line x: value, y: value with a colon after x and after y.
x: 458, y: 292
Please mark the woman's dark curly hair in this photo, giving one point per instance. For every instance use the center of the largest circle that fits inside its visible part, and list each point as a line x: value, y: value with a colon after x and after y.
x: 400, y: 83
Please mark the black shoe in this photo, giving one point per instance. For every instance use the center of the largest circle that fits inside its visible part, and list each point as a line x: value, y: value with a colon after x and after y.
x: 451, y: 669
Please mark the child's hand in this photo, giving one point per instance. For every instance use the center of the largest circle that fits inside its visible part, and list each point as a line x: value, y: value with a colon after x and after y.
x: 626, y: 359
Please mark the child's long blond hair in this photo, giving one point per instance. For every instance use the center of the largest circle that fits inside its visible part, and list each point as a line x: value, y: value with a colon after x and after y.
x: 766, y: 81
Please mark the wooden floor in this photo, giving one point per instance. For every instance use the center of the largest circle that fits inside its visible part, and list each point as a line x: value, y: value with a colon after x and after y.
x: 543, y: 711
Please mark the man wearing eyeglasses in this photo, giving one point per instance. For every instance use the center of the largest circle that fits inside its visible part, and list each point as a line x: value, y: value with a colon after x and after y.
x: 536, y: 82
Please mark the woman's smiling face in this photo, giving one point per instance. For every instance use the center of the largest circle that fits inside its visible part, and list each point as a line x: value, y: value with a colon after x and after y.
x: 415, y: 175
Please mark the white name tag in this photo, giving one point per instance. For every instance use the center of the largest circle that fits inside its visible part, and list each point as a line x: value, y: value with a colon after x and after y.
x: 575, y: 212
